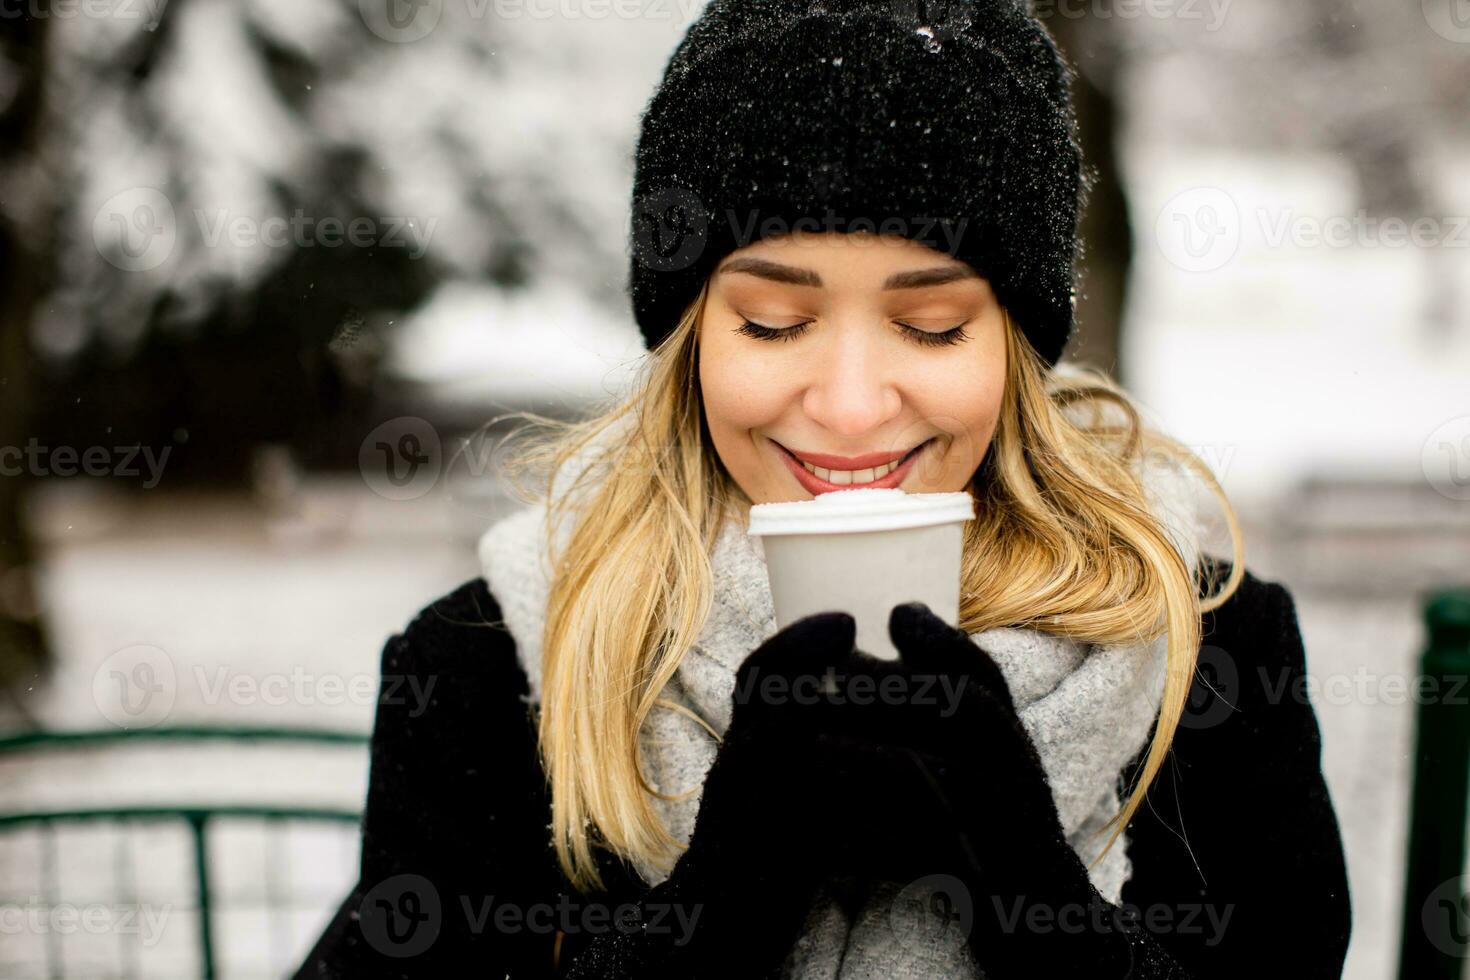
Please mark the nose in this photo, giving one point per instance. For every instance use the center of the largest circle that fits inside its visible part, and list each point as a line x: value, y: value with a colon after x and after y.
x: 852, y: 388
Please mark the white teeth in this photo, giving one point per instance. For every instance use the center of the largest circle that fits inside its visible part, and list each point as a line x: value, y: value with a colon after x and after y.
x: 849, y: 477
x: 852, y: 476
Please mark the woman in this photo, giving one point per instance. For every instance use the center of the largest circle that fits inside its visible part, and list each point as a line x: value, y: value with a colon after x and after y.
x: 853, y: 242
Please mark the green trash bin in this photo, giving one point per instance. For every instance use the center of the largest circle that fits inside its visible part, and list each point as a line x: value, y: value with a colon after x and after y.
x: 1435, y: 934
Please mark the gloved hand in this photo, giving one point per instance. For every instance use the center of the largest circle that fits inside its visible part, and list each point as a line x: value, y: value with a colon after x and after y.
x: 745, y: 874
x: 834, y: 765
x: 823, y: 766
x: 805, y: 786
x: 891, y: 770
x: 839, y: 764
x: 900, y: 770
x: 989, y: 777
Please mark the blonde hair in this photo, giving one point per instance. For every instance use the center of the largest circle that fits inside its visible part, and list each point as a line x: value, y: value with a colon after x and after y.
x: 1064, y: 542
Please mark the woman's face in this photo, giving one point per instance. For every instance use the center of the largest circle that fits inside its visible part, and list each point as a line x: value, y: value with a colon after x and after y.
x: 863, y: 348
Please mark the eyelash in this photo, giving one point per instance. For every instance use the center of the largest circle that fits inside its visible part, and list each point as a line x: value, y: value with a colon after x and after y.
x: 954, y: 335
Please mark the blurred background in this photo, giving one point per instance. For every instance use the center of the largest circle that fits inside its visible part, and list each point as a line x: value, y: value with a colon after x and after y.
x: 270, y: 270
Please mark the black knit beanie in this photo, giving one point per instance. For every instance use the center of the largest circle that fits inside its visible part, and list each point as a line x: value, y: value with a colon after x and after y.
x: 949, y: 124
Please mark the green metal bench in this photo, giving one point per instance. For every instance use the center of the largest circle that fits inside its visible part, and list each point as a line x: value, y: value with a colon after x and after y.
x: 195, y: 819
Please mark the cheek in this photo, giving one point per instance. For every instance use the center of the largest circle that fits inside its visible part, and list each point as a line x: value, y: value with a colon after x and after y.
x: 738, y: 388
x: 963, y: 397
x: 978, y: 398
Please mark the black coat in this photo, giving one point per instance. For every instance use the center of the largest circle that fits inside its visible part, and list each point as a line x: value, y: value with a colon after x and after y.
x: 458, y: 876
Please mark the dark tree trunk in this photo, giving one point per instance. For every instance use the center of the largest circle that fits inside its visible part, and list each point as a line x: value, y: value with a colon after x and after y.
x: 24, y: 269
x: 1107, y: 237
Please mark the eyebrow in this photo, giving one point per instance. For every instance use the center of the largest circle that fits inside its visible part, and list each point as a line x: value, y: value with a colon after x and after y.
x: 791, y: 275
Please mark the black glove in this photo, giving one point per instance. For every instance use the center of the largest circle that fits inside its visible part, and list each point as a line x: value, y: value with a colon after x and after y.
x: 832, y: 767
x: 836, y: 764
x: 807, y: 786
x: 742, y: 874
x: 902, y: 770
x: 989, y: 780
x: 833, y: 756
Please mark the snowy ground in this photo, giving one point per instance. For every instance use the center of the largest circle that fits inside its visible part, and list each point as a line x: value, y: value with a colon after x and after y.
x: 249, y: 619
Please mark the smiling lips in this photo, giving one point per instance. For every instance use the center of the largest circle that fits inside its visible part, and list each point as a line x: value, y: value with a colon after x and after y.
x: 877, y: 469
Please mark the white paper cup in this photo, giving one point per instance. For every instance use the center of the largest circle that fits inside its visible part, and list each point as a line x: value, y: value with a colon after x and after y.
x: 863, y: 552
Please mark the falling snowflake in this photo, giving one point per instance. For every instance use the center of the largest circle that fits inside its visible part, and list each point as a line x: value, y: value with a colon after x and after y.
x: 927, y: 33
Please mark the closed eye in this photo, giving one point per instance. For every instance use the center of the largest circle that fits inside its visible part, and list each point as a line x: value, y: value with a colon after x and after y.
x: 943, y: 338
x: 762, y: 332
x: 929, y: 338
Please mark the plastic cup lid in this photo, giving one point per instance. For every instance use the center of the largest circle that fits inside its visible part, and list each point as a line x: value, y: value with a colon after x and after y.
x: 870, y: 509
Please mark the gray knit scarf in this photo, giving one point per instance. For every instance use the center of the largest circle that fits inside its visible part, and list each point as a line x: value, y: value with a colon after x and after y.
x: 1087, y: 707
